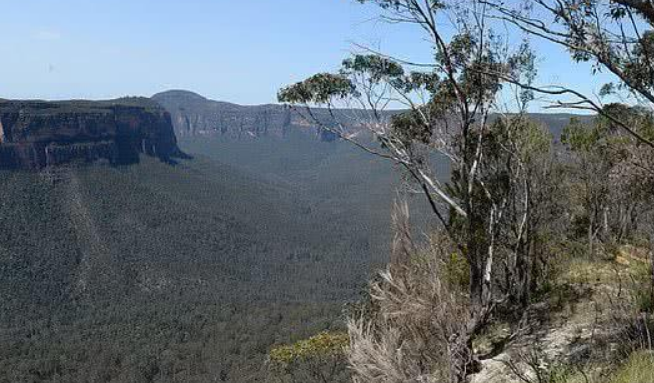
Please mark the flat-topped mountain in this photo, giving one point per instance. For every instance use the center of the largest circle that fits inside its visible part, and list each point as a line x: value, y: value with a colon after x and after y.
x: 36, y: 134
x: 194, y: 115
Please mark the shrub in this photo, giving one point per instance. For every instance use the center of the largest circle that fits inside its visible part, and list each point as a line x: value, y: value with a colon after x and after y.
x: 411, y: 333
x: 319, y: 358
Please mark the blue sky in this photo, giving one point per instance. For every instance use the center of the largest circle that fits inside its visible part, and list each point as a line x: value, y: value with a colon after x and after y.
x: 234, y: 50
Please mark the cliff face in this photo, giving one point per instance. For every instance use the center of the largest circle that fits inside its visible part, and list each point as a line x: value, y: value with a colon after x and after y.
x: 194, y: 115
x: 36, y: 134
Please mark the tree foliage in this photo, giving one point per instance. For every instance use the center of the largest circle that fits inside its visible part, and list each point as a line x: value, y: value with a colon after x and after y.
x: 320, y: 358
x: 614, y: 36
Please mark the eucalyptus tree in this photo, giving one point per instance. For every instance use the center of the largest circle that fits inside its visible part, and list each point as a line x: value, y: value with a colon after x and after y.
x: 522, y: 168
x: 446, y: 111
x: 615, y: 36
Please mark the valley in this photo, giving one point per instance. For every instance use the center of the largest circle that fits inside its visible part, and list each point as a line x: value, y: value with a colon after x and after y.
x: 159, y: 272
x: 167, y: 271
x: 360, y: 191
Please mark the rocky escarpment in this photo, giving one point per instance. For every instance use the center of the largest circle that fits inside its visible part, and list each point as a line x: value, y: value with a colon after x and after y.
x: 37, y: 134
x: 194, y: 115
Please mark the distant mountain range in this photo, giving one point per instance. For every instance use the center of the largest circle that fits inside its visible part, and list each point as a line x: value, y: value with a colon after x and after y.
x: 36, y: 134
x: 195, y: 115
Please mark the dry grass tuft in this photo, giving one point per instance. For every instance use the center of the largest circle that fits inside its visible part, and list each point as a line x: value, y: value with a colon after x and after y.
x: 408, y: 333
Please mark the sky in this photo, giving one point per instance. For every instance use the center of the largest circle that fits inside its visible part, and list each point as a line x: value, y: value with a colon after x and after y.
x: 240, y: 51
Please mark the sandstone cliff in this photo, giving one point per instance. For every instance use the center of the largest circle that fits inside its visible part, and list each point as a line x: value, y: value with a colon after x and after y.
x: 36, y: 134
x: 194, y: 115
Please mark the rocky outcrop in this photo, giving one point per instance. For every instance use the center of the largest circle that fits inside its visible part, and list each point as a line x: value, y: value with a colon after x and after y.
x: 37, y: 134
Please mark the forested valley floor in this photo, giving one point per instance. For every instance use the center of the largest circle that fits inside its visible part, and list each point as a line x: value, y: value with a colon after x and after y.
x: 186, y: 273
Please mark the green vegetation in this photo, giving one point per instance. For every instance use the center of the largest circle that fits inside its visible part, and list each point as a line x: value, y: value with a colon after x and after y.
x: 637, y: 370
x: 320, y: 357
x: 37, y: 107
x: 184, y: 273
x: 541, y: 267
x: 323, y: 344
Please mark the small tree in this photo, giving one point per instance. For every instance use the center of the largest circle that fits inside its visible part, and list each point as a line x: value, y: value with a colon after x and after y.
x: 521, y: 167
x: 321, y: 358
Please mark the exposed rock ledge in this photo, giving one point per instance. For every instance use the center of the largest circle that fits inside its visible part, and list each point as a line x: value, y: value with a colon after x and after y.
x: 37, y: 134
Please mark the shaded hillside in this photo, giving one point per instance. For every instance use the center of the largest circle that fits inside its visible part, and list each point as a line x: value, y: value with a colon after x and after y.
x: 35, y: 134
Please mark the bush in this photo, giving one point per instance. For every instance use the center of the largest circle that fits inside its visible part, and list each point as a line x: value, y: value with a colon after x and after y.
x: 319, y: 358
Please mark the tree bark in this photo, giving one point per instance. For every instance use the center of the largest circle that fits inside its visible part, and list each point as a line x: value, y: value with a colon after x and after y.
x: 590, y: 236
